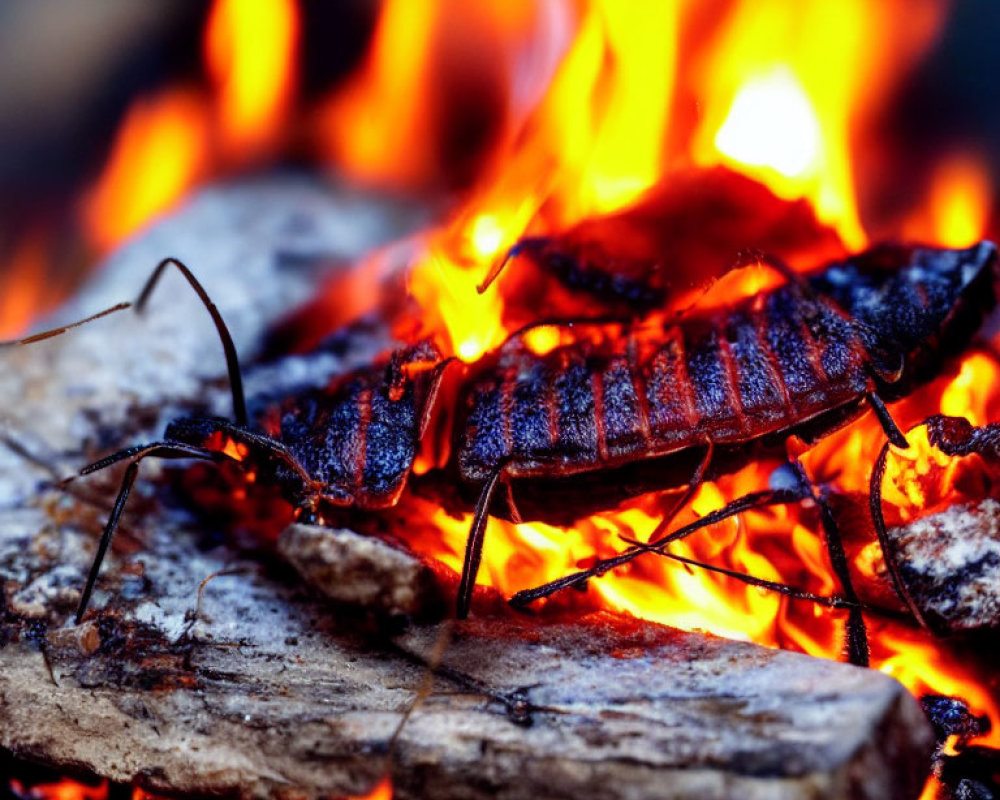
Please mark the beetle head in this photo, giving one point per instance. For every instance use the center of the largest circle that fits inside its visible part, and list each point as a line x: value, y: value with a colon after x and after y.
x: 913, y: 305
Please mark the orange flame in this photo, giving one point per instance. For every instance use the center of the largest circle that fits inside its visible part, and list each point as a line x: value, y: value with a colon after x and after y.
x: 960, y: 201
x: 385, y: 125
x: 65, y: 789
x: 170, y: 141
x: 364, y: 121
x: 24, y: 290
x: 381, y: 791
x: 159, y: 152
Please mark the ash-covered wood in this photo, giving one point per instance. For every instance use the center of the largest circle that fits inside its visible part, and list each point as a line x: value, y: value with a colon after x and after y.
x: 350, y: 568
x: 203, y: 670
x: 949, y: 563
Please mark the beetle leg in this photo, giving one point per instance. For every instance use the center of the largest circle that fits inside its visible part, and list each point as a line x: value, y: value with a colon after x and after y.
x: 697, y: 478
x: 878, y: 519
x: 524, y: 245
x: 857, y: 634
x: 137, y: 454
x: 194, y: 430
x: 954, y: 436
x: 886, y: 421
x: 474, y: 545
x: 232, y: 362
x: 748, y: 502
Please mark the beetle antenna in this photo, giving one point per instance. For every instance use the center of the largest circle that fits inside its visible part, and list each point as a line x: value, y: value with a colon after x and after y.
x: 232, y: 360
x: 49, y: 334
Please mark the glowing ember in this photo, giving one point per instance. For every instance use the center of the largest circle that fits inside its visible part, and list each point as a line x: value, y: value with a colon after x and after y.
x: 62, y: 790
x: 381, y: 791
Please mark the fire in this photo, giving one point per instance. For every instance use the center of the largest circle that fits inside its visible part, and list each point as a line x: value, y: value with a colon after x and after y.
x: 25, y: 289
x: 62, y: 790
x: 250, y: 54
x: 588, y: 107
x: 172, y: 140
x: 786, y: 85
x: 783, y: 94
x: 963, y: 396
x: 67, y: 789
x: 158, y: 154
x: 961, y: 197
x: 375, y: 123
x: 381, y: 791
x: 749, y: 135
x: 780, y: 91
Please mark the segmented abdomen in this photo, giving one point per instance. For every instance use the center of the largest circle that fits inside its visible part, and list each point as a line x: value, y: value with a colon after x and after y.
x: 357, y: 438
x: 770, y: 363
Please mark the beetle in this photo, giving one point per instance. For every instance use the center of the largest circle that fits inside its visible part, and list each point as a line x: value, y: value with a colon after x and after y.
x: 800, y: 360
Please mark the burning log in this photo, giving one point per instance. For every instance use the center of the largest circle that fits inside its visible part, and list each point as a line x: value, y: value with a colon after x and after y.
x: 204, y: 670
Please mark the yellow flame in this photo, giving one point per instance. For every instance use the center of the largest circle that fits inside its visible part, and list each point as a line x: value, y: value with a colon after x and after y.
x: 250, y: 48
x: 772, y: 124
x: 781, y: 96
x: 964, y: 396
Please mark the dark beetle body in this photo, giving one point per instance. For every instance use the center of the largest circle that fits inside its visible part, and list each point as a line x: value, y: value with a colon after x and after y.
x: 349, y: 444
x: 769, y: 364
x: 799, y: 359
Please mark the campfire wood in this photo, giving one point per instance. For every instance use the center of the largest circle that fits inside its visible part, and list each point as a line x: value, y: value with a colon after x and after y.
x: 260, y: 691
